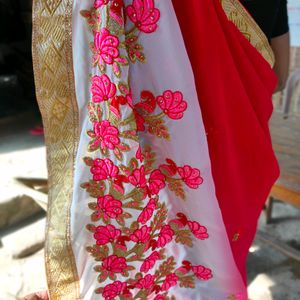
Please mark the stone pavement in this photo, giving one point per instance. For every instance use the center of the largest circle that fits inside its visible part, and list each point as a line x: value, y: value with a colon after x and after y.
x: 272, y: 276
x: 21, y: 218
x: 21, y: 155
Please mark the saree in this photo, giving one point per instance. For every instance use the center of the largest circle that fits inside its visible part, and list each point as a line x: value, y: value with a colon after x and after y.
x: 159, y: 154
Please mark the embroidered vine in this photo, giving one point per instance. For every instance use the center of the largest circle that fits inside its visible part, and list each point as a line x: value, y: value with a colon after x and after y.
x: 130, y: 224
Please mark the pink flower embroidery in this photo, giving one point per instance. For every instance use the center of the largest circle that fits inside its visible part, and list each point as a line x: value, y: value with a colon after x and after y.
x: 113, y: 290
x: 190, y: 176
x: 144, y: 15
x: 106, y: 234
x: 140, y: 121
x: 116, y: 10
x: 114, y: 264
x: 170, y: 168
x: 138, y: 178
x: 148, y: 102
x: 172, y: 104
x: 107, y: 135
x: 111, y: 207
x: 116, y: 102
x: 106, y: 47
x: 147, y: 212
x: 139, y: 154
x: 102, y: 88
x: 141, y: 235
x: 185, y: 268
x: 160, y: 297
x: 99, y: 3
x: 199, y: 231
x: 104, y: 169
x: 149, y: 262
x: 180, y: 221
x: 202, y: 273
x: 171, y: 280
x: 165, y: 236
x: 146, y: 283
x: 121, y: 242
x: 156, y: 182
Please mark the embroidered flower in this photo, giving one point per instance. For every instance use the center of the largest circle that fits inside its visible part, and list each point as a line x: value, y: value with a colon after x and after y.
x: 202, y: 273
x: 147, y: 212
x: 106, y: 47
x: 139, y: 154
x: 172, y: 104
x: 118, y: 183
x: 148, y: 102
x: 140, y: 121
x: 107, y: 135
x: 110, y: 207
x: 146, y: 283
x: 149, y: 262
x: 165, y: 236
x: 115, y: 104
x: 160, y: 297
x: 104, y: 169
x: 116, y: 11
x: 144, y: 15
x: 106, y: 234
x: 102, y: 88
x: 99, y: 3
x: 141, y: 235
x: 190, y: 176
x: 185, y: 268
x: 156, y: 182
x: 199, y: 231
x: 113, y: 290
x: 181, y: 220
x: 138, y: 178
x: 114, y: 264
x: 170, y: 168
x: 171, y: 280
x: 121, y: 242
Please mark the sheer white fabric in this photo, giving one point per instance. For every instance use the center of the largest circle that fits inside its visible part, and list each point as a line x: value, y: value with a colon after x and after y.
x: 167, y: 68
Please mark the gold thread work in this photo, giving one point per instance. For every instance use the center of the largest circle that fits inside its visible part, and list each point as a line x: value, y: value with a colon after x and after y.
x: 245, y: 23
x: 54, y: 79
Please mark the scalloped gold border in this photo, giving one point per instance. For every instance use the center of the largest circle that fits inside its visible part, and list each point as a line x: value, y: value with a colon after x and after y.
x: 54, y: 79
x: 245, y: 23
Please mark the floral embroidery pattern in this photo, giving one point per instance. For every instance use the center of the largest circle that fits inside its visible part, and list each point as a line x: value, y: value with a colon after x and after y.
x: 170, y: 103
x: 130, y: 224
x: 106, y: 45
x: 144, y: 15
x: 102, y: 88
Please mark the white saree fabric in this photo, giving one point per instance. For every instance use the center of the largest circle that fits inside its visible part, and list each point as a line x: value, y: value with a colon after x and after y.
x: 165, y: 72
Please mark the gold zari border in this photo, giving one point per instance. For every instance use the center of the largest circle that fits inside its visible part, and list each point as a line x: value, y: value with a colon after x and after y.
x: 245, y: 23
x: 54, y: 79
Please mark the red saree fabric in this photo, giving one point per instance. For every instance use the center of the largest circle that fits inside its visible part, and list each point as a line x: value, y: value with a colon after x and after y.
x: 234, y: 85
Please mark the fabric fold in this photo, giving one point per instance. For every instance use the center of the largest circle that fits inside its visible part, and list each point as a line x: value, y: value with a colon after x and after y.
x: 234, y: 85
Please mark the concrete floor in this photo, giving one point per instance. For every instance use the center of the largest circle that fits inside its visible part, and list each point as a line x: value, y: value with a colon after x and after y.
x: 272, y: 276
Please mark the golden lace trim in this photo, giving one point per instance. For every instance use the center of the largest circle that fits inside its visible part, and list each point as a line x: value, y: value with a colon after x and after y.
x: 245, y: 23
x: 54, y: 79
